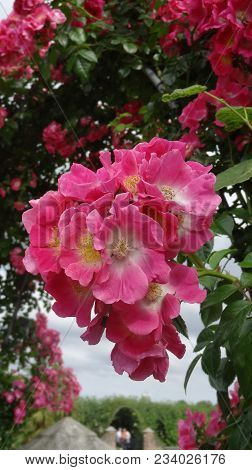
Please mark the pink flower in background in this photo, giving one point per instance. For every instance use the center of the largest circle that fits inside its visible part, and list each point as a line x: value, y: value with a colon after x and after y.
x: 16, y: 184
x: 216, y: 423
x: 9, y: 397
x: 94, y: 7
x: 3, y: 116
x: 194, y: 113
x: 20, y: 412
x: 234, y: 395
x: 192, y: 142
x: 2, y: 192
x: 29, y: 28
x: 57, y: 140
x: 24, y: 7
x: 19, y: 205
x: 33, y: 181
x: 16, y: 260
x: 187, y: 430
x: 199, y: 432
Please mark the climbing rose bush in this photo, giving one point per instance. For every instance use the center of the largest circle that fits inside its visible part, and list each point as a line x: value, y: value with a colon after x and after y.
x: 45, y: 382
x: 109, y: 239
x: 228, y: 50
x: 198, y: 432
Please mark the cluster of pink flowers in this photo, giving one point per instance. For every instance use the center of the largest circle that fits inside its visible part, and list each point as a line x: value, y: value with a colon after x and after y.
x: 16, y: 184
x: 15, y: 397
x: 16, y: 260
x: 47, y: 341
x: 110, y: 237
x: 195, y: 431
x: 128, y: 115
x: 95, y: 8
x: 56, y: 386
x: 55, y: 389
x: 132, y: 109
x: 230, y: 52
x: 59, y: 140
x: 51, y: 385
x: 19, y: 34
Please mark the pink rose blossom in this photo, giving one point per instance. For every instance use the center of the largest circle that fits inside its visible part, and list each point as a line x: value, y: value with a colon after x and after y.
x: 16, y: 184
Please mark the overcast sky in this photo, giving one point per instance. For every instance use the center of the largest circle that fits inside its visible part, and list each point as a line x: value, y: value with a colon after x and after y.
x: 5, y: 7
x: 92, y: 363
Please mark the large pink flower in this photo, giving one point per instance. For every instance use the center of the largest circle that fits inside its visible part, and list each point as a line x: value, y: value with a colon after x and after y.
x: 41, y: 222
x: 84, y: 185
x: 72, y: 299
x: 189, y: 190
x: 153, y: 362
x: 183, y: 185
x: 78, y: 256
x: 128, y: 239
x: 158, y: 147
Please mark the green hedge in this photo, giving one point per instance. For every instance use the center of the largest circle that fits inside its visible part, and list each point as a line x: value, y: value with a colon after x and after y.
x: 162, y: 417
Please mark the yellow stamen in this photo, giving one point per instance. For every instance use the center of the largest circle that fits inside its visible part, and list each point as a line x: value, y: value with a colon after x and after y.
x: 154, y: 292
x: 131, y: 182
x: 167, y: 192
x: 120, y: 249
x: 55, y: 241
x: 87, y: 251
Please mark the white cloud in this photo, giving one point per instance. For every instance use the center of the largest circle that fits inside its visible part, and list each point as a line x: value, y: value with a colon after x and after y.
x: 5, y: 7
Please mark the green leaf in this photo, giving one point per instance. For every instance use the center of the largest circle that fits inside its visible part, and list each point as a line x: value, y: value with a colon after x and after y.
x: 239, y: 438
x: 223, y: 224
x: 120, y: 127
x: 211, y: 359
x: 241, y: 213
x: 247, y: 262
x: 82, y: 69
x: 62, y: 39
x: 234, y: 175
x: 180, y: 326
x: 77, y: 35
x: 234, y: 118
x: 223, y: 402
x: 88, y: 55
x: 224, y: 376
x: 219, y: 295
x: 191, y: 369
x: 130, y: 47
x: 204, y: 252
x: 246, y: 279
x: 204, y: 338
x: 232, y: 322
x: 211, y: 314
x: 242, y: 359
x: 217, y: 256
x: 183, y: 92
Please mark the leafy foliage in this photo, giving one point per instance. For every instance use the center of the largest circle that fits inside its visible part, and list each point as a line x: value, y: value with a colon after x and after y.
x: 96, y: 71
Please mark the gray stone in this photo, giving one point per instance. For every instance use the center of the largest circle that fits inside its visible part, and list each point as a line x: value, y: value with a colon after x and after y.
x: 67, y: 434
